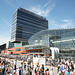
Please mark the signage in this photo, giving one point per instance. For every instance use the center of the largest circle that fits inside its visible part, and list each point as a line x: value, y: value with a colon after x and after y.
x: 23, y: 53
x: 41, y: 60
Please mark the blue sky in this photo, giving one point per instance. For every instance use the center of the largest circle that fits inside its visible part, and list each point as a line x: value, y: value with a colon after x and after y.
x: 59, y: 13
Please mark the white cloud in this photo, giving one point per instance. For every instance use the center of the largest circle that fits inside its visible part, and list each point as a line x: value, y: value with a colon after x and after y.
x: 4, y: 39
x: 49, y: 5
x: 66, y: 20
x: 46, y: 4
x: 66, y: 24
x: 40, y: 10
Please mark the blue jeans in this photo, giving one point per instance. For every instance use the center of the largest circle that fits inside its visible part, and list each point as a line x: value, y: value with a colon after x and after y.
x: 2, y: 72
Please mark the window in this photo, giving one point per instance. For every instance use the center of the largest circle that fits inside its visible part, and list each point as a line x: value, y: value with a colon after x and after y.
x: 18, y: 49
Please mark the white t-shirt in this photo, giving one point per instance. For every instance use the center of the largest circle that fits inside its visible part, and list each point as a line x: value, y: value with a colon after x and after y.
x: 17, y: 71
x: 51, y: 73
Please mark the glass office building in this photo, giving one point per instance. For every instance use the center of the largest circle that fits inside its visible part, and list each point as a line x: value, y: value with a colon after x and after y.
x: 64, y: 39
x: 25, y: 24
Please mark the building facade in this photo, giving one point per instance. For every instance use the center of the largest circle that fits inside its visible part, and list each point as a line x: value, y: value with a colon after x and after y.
x: 64, y: 39
x: 25, y: 24
x: 2, y: 47
x: 6, y: 46
x: 42, y: 42
x: 61, y: 38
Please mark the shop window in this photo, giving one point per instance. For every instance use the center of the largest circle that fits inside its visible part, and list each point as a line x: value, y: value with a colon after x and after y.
x: 18, y: 49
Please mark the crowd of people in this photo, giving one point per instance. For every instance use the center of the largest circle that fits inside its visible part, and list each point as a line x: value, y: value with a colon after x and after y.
x: 7, y: 67
x: 26, y: 67
x: 66, y: 67
x: 10, y: 68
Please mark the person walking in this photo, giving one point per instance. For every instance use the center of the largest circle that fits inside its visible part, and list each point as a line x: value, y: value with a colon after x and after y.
x: 30, y: 69
x: 15, y: 63
x: 24, y: 66
x: 42, y: 68
x: 47, y: 72
x: 66, y: 72
x: 51, y: 72
x: 61, y: 68
x: 11, y: 69
x: 3, y: 69
x: 20, y: 70
x: 72, y: 72
x: 0, y: 68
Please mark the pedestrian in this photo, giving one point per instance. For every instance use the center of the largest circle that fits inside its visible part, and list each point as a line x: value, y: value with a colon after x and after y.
x: 8, y: 68
x: 15, y: 63
x: 66, y: 72
x: 38, y: 72
x: 42, y: 68
x: 32, y: 65
x: 20, y: 70
x: 72, y: 72
x: 61, y: 67
x: 72, y: 67
x: 14, y: 72
x: 0, y: 68
x: 30, y: 69
x: 51, y: 72
x: 11, y: 69
x: 47, y: 72
x: 36, y: 69
x: 3, y: 69
x: 27, y: 72
x: 24, y: 66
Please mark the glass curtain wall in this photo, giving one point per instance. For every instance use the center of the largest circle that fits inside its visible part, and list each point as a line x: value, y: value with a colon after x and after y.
x: 61, y: 38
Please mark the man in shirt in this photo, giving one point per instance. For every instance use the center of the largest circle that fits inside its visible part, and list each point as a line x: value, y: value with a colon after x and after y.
x: 66, y: 72
x: 51, y: 72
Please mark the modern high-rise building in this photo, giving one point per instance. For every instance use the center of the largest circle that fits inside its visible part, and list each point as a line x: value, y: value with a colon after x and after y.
x: 25, y: 24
